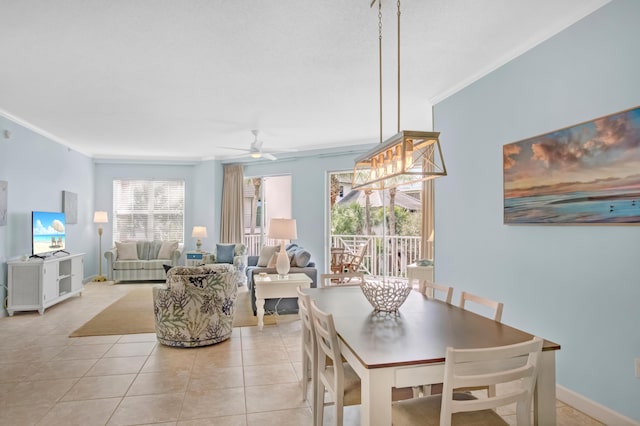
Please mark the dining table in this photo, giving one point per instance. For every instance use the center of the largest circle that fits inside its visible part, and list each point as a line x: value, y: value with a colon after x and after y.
x: 407, y: 348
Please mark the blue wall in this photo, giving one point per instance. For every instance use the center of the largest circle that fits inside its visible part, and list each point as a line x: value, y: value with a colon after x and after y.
x: 38, y: 170
x: 576, y: 285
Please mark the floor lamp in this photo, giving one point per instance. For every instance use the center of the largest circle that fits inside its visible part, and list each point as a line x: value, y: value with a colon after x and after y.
x: 283, y: 229
x: 100, y: 218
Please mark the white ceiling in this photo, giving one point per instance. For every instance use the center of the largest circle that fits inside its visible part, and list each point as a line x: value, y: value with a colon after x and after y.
x: 177, y: 80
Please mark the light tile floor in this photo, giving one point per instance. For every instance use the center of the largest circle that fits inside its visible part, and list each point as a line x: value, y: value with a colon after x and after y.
x: 47, y: 378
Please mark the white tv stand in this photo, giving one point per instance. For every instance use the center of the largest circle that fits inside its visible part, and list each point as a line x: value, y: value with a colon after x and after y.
x: 36, y: 284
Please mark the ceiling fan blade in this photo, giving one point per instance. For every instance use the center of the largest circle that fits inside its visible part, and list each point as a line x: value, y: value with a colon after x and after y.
x: 235, y: 149
x: 269, y: 156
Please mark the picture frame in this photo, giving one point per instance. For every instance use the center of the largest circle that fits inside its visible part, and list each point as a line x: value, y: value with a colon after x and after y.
x: 586, y: 174
x: 4, y: 199
x: 70, y: 206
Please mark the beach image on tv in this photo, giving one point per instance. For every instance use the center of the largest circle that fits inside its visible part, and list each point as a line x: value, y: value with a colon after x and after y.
x: 587, y: 173
x: 48, y: 232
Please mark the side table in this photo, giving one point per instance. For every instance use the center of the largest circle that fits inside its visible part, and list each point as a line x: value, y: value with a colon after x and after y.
x: 272, y: 286
x: 195, y: 258
x: 420, y: 273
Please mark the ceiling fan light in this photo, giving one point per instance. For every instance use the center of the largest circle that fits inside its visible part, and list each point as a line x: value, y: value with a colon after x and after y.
x: 255, y: 154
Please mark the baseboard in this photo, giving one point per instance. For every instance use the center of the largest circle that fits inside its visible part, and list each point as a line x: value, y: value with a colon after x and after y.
x: 592, y: 408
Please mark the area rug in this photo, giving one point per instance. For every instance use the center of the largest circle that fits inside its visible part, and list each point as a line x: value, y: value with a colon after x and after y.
x: 133, y: 314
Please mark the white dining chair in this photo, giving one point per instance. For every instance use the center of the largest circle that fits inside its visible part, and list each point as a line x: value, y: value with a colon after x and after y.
x: 309, y: 347
x: 431, y: 289
x: 491, y: 304
x: 337, y: 378
x: 513, y: 365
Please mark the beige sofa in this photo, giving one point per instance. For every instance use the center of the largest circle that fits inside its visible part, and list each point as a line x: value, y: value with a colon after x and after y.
x: 141, y: 260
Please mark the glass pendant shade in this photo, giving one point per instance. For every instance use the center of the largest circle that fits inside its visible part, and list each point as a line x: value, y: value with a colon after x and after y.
x: 405, y: 158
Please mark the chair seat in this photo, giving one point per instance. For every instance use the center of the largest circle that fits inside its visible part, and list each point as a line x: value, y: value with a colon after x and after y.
x: 351, y: 384
x: 428, y: 409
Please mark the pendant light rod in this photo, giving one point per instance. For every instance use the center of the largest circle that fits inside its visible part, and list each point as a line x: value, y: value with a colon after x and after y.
x: 398, y: 130
x: 380, y: 60
x: 406, y: 158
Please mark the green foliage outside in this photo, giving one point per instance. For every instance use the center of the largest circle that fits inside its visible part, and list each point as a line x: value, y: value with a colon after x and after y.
x: 350, y: 220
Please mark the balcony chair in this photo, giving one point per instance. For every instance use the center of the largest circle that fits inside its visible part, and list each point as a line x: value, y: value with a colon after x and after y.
x: 337, y: 259
x: 352, y: 261
x: 513, y: 365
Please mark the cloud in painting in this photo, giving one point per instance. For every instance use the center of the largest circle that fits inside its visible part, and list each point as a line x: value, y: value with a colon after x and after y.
x: 558, y: 153
x: 509, y: 152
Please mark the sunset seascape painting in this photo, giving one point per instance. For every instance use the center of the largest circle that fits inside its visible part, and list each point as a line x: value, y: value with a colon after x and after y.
x: 585, y: 174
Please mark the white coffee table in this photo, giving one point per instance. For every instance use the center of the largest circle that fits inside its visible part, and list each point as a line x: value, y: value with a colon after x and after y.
x: 272, y: 286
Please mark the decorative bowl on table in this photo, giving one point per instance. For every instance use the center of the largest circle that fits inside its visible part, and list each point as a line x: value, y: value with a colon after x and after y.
x: 386, y: 296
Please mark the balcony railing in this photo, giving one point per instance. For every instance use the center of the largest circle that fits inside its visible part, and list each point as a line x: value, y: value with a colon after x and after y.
x: 388, y: 255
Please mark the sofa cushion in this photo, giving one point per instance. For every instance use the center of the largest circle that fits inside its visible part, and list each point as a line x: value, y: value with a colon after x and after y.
x: 129, y: 265
x: 127, y: 251
x: 166, y: 249
x: 154, y: 264
x: 273, y: 261
x: 265, y: 255
x: 225, y: 253
x: 302, y: 257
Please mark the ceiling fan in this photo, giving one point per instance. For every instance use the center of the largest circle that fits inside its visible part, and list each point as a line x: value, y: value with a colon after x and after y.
x: 255, y: 149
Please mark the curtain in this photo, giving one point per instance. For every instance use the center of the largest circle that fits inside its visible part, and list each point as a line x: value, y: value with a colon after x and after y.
x: 428, y: 220
x: 232, y: 217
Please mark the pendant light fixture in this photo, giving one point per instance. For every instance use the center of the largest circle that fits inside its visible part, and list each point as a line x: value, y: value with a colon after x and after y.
x: 405, y: 158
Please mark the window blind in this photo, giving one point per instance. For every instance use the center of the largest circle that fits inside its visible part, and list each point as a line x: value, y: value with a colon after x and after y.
x: 148, y: 210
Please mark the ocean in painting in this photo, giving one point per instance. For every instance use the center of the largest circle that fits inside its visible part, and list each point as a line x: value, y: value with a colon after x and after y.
x: 613, y: 206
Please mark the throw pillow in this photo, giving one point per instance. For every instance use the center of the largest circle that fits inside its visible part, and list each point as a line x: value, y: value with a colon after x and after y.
x: 265, y: 255
x: 224, y: 253
x: 291, y: 251
x: 302, y: 258
x: 127, y: 251
x: 273, y: 261
x: 166, y: 249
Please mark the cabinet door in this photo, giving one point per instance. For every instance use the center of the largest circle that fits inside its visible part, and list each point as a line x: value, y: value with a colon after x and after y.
x: 77, y: 273
x: 50, y: 288
x: 24, y: 285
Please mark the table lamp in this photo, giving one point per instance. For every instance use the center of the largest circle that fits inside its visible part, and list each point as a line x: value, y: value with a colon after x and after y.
x: 282, y: 229
x: 100, y: 217
x: 199, y: 232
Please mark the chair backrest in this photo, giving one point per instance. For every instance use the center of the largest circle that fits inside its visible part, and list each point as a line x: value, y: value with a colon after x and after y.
x: 496, y: 306
x: 431, y: 288
x: 329, y: 357
x: 309, y: 347
x: 515, y: 364
x: 353, y: 261
x: 341, y: 279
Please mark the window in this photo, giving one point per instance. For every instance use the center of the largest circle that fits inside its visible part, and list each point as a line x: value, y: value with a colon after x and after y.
x: 148, y: 210
x: 264, y: 198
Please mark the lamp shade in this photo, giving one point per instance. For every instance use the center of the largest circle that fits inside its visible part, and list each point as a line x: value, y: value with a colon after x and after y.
x: 100, y: 217
x: 199, y: 232
x: 283, y: 229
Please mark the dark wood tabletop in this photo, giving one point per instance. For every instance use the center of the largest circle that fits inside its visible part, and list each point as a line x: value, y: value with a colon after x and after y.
x: 418, y: 334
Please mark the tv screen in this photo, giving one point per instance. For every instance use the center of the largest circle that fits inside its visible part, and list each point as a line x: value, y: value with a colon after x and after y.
x: 48, y: 232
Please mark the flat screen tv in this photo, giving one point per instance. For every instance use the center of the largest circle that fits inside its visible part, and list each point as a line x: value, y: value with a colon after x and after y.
x: 48, y: 233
